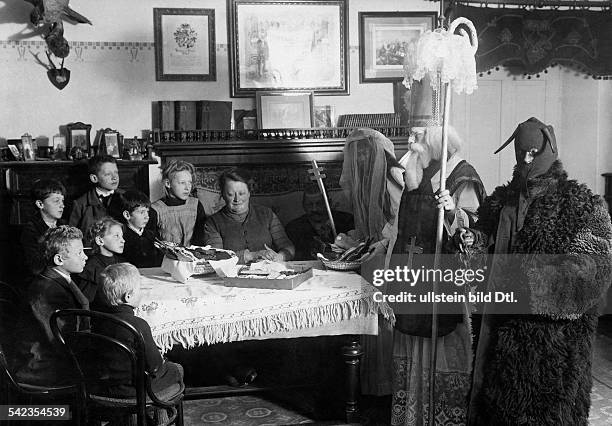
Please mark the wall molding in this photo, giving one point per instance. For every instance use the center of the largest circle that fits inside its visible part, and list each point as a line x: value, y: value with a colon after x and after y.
x: 94, y: 45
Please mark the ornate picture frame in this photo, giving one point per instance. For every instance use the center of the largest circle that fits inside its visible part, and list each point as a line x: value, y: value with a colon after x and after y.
x: 78, y: 136
x: 184, y: 44
x: 288, y: 45
x: 284, y: 110
x: 384, y: 40
x: 111, y: 143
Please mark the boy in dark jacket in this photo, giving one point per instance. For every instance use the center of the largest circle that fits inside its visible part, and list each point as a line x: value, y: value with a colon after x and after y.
x: 48, y: 196
x: 139, y: 247
x: 102, y: 199
x: 106, y: 235
x: 121, y: 295
x: 44, y: 362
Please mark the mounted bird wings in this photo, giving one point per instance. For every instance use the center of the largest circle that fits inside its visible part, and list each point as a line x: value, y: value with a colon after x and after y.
x: 54, y: 11
x: 50, y: 14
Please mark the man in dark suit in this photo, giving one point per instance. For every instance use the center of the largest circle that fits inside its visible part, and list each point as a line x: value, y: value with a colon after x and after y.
x: 312, y: 230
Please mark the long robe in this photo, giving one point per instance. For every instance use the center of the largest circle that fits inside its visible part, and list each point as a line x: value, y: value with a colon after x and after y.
x: 411, y: 353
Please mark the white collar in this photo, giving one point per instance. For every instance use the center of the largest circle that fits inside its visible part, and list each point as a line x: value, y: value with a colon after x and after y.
x: 139, y: 232
x: 67, y: 277
x: 104, y: 192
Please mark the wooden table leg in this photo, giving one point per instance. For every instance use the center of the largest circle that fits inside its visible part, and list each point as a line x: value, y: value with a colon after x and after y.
x: 351, y: 353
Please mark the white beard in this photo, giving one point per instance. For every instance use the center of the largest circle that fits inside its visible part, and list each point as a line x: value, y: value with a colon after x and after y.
x: 418, y: 160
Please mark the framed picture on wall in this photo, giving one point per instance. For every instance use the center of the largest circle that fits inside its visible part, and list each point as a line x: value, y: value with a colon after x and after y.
x: 288, y: 45
x: 385, y: 39
x: 284, y: 110
x: 184, y: 44
x: 78, y: 137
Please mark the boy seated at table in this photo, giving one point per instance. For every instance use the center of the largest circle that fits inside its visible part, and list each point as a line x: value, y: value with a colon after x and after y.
x: 139, y: 248
x: 48, y: 196
x: 121, y: 294
x: 102, y: 199
x: 179, y: 217
x: 42, y: 360
x: 106, y: 235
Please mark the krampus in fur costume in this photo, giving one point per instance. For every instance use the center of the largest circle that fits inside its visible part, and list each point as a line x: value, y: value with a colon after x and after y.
x: 533, y: 367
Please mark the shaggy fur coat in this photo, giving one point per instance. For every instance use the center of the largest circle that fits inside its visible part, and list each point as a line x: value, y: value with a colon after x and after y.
x: 535, y: 368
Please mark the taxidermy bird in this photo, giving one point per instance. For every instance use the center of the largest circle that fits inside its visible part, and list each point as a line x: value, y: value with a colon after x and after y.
x: 51, y: 13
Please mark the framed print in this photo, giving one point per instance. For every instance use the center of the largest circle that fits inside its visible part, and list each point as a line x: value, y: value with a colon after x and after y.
x: 284, y: 110
x: 78, y: 137
x: 15, y: 152
x: 59, y: 147
x: 27, y: 146
x: 385, y: 38
x: 288, y: 45
x: 324, y: 116
x: 184, y: 44
x: 111, y: 144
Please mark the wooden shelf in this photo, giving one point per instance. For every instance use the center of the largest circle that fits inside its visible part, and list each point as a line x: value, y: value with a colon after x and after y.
x: 264, y: 150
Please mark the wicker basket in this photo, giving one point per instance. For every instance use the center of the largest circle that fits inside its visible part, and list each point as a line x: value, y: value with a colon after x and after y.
x: 340, y: 265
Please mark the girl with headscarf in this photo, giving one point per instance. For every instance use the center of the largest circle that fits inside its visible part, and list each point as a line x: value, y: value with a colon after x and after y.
x: 373, y: 179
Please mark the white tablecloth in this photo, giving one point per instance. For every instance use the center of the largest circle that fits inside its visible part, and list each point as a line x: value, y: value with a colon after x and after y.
x: 204, y: 311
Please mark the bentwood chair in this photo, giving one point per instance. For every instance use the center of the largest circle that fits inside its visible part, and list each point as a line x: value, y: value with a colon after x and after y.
x: 85, y: 348
x: 13, y: 390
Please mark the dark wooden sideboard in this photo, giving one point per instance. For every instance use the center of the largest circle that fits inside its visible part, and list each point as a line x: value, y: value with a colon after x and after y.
x: 16, y: 204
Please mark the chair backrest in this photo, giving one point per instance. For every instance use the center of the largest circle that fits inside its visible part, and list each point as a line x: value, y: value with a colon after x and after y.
x: 93, y: 349
x: 12, y: 308
x: 13, y: 311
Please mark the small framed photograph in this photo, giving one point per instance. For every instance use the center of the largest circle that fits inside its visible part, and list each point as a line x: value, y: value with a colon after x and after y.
x: 27, y: 147
x: 324, y: 116
x: 385, y: 38
x: 15, y: 152
x: 184, y: 44
x: 78, y: 137
x: 59, y: 147
x: 111, y: 144
x: 284, y: 110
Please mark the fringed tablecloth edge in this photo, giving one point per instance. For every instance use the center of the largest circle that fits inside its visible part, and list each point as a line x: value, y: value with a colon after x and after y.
x: 314, y: 316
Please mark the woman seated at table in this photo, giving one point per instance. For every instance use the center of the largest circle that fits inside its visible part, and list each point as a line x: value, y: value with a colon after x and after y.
x: 252, y: 231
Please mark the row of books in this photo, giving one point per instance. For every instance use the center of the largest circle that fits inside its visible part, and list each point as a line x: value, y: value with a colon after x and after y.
x: 192, y: 115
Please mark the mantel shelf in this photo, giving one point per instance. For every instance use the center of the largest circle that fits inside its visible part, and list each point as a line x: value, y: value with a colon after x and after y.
x: 262, y: 151
x: 264, y: 146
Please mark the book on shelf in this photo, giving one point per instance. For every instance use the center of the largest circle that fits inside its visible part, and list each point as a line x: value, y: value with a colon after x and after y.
x: 192, y: 115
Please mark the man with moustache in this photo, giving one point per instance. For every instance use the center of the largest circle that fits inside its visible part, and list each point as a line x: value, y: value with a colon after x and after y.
x: 421, y: 201
x: 552, y: 243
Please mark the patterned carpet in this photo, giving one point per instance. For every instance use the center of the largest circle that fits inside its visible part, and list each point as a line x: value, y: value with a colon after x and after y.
x: 260, y: 410
x: 240, y: 410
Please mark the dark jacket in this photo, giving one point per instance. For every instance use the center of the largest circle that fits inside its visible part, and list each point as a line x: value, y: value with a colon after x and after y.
x: 88, y: 281
x: 302, y: 233
x: 165, y: 374
x: 535, y: 368
x: 88, y: 208
x: 32, y: 253
x: 42, y: 360
x: 140, y: 250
